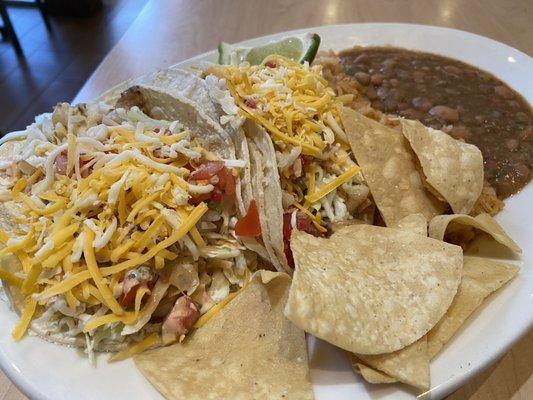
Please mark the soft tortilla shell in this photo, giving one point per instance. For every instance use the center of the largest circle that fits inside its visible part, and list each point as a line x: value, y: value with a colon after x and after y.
x: 169, y: 107
x: 266, y: 186
x: 484, y: 222
x: 369, y: 289
x: 247, y: 351
x: 453, y: 168
x: 176, y: 81
x: 205, y: 131
x: 183, y: 84
x: 481, y: 277
x: 389, y: 169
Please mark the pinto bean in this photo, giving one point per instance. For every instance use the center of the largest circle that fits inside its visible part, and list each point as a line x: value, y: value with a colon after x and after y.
x: 445, y: 113
x: 422, y: 104
x: 376, y: 79
x: 504, y: 92
x: 512, y: 144
x: 362, y: 77
x: 461, y: 132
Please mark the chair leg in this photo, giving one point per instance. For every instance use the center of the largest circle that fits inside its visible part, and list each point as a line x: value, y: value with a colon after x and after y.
x: 8, y: 28
x: 44, y: 15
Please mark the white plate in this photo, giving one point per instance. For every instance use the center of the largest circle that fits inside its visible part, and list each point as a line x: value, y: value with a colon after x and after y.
x: 46, y: 371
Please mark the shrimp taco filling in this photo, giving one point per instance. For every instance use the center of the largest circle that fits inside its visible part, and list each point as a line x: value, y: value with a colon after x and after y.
x: 121, y: 227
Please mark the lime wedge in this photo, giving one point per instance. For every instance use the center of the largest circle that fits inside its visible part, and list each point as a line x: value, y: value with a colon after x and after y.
x: 299, y: 48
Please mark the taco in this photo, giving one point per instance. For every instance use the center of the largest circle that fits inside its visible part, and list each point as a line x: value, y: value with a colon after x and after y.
x: 211, y: 97
x: 304, y: 175
x: 119, y: 221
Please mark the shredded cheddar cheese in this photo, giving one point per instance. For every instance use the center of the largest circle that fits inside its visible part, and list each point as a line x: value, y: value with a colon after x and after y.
x: 329, y: 187
x: 107, y: 209
x: 136, y: 348
x: 10, y: 278
x: 96, y: 275
x: 94, y: 323
x: 25, y: 319
x: 214, y: 310
x: 291, y: 101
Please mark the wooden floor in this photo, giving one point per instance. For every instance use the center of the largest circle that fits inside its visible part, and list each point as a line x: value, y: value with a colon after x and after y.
x: 56, y: 64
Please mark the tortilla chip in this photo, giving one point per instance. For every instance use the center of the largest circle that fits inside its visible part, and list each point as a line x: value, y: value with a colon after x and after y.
x: 481, y: 277
x: 369, y: 374
x: 415, y: 223
x: 389, y: 169
x: 409, y: 365
x: 453, y: 168
x: 248, y: 350
x: 363, y: 292
x: 440, y: 225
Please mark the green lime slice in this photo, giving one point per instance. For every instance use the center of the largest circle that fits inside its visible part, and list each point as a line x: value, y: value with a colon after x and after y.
x: 299, y: 48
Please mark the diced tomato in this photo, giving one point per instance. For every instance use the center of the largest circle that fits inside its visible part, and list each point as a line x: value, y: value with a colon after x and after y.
x: 61, y: 162
x: 224, y: 184
x: 133, y: 280
x: 128, y: 298
x: 216, y: 195
x: 180, y: 320
x: 303, y: 223
x: 270, y: 64
x: 250, y: 103
x: 206, y: 171
x: 226, y: 181
x: 199, y: 198
x: 306, y: 162
x: 249, y: 225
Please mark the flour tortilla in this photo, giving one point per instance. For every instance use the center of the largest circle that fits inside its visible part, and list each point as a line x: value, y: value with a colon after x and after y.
x: 440, y: 225
x: 249, y: 350
x: 389, y: 169
x: 481, y: 277
x: 453, y: 168
x: 361, y: 291
x: 267, y: 192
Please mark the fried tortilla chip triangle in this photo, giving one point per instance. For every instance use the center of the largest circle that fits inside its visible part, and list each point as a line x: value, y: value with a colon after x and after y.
x: 370, y: 289
x: 409, y: 365
x: 389, y: 168
x: 481, y: 277
x: 247, y: 351
x: 453, y: 168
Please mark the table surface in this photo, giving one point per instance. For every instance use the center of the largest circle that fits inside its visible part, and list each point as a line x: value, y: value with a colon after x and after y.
x: 169, y: 31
